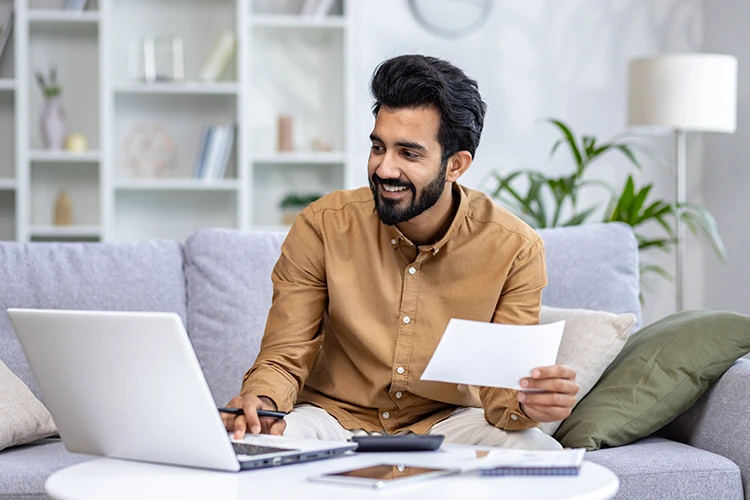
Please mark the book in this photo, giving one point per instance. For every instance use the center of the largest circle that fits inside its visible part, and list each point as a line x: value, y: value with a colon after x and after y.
x: 217, y: 60
x: 75, y: 4
x: 510, y: 462
x: 200, y: 158
x: 322, y: 8
x: 7, y: 29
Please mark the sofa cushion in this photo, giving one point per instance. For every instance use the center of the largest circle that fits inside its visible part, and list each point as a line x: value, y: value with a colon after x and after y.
x: 144, y: 276
x: 590, y: 342
x: 592, y: 266
x: 659, y: 469
x: 23, y: 418
x: 228, y: 275
x: 660, y: 373
x: 24, y: 469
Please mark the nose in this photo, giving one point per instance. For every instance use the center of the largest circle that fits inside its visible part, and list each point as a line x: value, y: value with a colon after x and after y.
x: 388, y: 167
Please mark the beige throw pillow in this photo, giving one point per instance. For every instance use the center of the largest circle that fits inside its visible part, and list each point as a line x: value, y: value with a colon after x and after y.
x: 591, y: 341
x: 23, y: 418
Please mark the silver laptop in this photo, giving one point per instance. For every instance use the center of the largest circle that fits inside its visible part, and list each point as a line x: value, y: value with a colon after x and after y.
x: 128, y: 385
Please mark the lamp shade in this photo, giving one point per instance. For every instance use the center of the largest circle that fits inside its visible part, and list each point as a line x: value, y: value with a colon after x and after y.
x: 684, y: 91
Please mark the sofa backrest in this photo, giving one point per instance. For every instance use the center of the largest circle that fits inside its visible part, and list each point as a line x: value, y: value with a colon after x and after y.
x: 228, y: 275
x: 144, y: 276
x: 593, y: 266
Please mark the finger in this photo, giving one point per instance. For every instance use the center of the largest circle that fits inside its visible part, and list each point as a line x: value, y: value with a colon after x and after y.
x: 548, y: 413
x: 250, y: 408
x: 561, y: 385
x: 240, y: 427
x: 228, y: 421
x: 278, y: 427
x: 266, y: 423
x: 554, y: 371
x: 547, y: 399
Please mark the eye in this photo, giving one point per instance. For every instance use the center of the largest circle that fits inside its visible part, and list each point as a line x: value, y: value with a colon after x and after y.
x: 377, y: 148
x: 409, y: 154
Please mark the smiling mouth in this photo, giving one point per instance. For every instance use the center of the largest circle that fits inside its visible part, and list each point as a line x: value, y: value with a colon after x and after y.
x: 394, y: 189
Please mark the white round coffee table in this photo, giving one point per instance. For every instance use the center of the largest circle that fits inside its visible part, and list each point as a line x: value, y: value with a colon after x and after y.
x: 118, y: 479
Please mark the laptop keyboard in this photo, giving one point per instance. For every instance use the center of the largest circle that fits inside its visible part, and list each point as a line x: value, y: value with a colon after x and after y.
x: 255, y: 449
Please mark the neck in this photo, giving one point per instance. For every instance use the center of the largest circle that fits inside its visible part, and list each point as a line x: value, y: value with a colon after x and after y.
x: 428, y: 227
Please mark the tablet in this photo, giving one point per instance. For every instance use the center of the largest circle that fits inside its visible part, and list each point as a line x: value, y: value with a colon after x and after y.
x: 383, y: 475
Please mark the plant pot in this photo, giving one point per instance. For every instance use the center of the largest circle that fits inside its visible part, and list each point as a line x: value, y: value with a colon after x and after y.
x: 53, y: 124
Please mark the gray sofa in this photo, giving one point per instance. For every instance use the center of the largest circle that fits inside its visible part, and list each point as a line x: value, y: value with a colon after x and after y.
x: 218, y: 282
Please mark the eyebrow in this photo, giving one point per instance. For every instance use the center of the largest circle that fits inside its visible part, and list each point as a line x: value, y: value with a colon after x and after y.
x: 403, y: 144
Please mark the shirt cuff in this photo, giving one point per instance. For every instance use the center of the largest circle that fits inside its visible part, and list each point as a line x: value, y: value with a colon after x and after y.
x: 272, y: 385
x: 503, y: 410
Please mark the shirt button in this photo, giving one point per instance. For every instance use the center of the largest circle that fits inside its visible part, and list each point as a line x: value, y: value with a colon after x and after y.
x: 412, y: 270
x: 407, y: 320
x: 398, y: 395
x: 400, y: 370
x: 513, y: 416
x: 393, y: 242
x: 386, y: 414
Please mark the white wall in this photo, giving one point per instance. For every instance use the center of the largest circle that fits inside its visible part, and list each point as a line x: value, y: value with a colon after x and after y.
x: 535, y: 59
x: 726, y: 179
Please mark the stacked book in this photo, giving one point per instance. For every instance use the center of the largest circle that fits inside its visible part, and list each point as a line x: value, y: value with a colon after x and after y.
x: 75, y: 4
x: 214, y: 152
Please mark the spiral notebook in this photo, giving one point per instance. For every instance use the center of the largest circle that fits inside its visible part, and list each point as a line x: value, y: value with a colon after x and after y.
x: 504, y: 462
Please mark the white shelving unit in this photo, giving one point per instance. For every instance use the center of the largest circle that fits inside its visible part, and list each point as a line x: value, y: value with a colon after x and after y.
x: 283, y: 64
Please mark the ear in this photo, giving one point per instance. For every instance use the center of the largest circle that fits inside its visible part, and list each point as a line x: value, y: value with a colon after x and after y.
x: 457, y: 165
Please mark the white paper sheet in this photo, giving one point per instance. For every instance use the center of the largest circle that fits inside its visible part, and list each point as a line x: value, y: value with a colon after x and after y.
x: 493, y: 355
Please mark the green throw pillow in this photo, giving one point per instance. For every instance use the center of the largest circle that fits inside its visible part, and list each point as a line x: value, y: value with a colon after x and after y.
x: 660, y: 373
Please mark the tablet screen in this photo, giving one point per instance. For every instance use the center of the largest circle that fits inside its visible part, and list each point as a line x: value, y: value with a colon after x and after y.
x: 386, y: 472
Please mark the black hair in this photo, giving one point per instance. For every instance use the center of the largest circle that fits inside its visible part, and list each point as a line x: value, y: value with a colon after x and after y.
x: 413, y: 81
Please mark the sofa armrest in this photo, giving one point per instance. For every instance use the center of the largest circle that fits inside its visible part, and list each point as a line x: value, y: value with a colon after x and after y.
x: 719, y: 421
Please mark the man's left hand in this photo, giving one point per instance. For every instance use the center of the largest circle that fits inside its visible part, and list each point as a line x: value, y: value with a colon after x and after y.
x: 555, y: 393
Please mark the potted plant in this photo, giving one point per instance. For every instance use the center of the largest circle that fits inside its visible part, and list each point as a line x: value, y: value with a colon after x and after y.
x: 293, y: 203
x: 53, y: 116
x: 549, y: 201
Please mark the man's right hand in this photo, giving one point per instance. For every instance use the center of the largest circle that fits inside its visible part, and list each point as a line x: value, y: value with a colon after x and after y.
x: 250, y: 422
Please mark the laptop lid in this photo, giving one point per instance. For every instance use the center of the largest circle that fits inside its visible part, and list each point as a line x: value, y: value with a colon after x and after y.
x: 125, y: 385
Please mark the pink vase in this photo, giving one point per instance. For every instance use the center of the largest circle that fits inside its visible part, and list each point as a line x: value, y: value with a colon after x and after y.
x: 53, y: 124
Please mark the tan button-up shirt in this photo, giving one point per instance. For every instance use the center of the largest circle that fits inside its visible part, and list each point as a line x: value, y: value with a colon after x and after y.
x: 358, y: 310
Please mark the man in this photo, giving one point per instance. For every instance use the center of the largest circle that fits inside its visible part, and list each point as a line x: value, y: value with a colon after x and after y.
x: 368, y: 280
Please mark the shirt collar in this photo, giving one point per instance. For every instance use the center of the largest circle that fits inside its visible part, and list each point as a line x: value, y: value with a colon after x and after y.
x: 458, y: 220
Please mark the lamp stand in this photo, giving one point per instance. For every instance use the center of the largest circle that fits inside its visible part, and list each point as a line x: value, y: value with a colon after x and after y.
x: 681, y: 197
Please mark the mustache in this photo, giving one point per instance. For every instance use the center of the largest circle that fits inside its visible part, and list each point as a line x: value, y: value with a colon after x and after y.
x: 391, y: 182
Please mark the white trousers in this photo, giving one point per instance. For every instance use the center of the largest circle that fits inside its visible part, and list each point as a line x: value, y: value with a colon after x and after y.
x: 464, y: 426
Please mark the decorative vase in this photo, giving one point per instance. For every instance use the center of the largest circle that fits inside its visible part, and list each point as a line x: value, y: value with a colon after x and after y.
x: 53, y: 124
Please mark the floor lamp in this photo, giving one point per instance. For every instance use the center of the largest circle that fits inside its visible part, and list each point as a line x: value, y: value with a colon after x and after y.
x: 683, y: 93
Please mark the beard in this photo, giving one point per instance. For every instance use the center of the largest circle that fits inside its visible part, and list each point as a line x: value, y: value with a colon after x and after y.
x: 390, y: 211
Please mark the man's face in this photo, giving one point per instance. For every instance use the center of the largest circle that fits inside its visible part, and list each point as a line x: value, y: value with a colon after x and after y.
x: 405, y: 171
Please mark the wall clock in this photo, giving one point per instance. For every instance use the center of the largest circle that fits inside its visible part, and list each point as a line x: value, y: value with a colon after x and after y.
x: 451, y: 18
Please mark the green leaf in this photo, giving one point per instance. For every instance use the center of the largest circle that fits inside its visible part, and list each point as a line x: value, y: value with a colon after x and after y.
x: 571, y: 140
x: 581, y: 217
x: 627, y: 151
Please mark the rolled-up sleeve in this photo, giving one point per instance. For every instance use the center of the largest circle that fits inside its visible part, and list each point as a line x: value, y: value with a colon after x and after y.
x: 293, y: 334
x: 519, y: 304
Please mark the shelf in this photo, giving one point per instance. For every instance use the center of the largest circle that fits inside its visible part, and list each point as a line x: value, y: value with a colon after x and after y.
x: 7, y: 84
x: 184, y: 88
x: 292, y: 21
x: 300, y: 158
x: 40, y: 156
x: 63, y: 16
x: 7, y: 184
x: 65, y: 231
x: 177, y: 185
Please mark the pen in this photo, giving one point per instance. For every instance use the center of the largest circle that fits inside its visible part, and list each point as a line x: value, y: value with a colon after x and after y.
x: 261, y: 413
